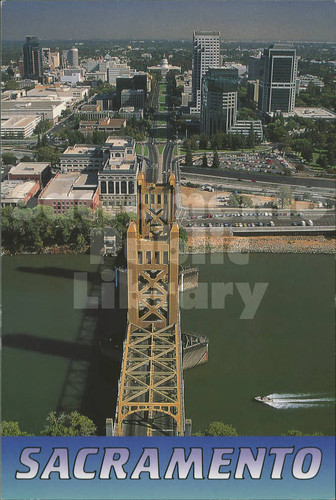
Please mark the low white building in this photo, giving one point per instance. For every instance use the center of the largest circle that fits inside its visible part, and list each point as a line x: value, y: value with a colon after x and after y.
x: 19, y: 127
x: 47, y: 109
x: 64, y: 93
x: 243, y: 127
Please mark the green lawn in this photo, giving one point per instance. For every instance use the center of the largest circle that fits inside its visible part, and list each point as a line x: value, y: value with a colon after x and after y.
x: 138, y: 149
x: 161, y: 148
x: 162, y: 99
x: 162, y: 107
x: 162, y: 122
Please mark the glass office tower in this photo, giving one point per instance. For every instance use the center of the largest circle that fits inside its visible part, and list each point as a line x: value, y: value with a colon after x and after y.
x: 219, y: 100
x: 278, y: 77
x: 32, y: 59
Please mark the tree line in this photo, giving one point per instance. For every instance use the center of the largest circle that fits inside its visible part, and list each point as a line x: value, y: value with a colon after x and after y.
x: 64, y: 424
x: 33, y: 229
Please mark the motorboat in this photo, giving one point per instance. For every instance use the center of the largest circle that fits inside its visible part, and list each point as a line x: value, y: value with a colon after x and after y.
x: 264, y: 399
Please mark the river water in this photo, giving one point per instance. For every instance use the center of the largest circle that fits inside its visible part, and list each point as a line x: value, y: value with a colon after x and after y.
x: 60, y: 356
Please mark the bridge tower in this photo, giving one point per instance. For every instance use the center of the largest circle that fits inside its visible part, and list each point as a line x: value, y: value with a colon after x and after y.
x: 150, y: 400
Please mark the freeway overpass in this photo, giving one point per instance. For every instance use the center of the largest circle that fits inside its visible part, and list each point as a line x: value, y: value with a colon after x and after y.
x: 259, y: 177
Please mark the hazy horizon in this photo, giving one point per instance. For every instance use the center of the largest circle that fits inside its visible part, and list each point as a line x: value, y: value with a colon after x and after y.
x: 237, y: 20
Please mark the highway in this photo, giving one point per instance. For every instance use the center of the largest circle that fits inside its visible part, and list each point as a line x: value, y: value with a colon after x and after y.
x: 269, y: 178
x: 154, y: 159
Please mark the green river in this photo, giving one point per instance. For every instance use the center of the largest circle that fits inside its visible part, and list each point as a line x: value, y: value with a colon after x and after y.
x: 59, y: 356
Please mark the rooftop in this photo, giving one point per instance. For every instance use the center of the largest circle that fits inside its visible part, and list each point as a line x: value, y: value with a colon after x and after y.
x: 117, y: 167
x: 315, y: 113
x: 70, y: 186
x: 206, y: 33
x: 83, y: 149
x: 28, y: 104
x: 29, y: 168
x: 18, y: 121
x: 16, y: 190
x: 119, y: 142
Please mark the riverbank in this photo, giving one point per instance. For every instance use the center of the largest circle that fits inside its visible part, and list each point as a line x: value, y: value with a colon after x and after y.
x: 261, y: 244
x: 50, y: 250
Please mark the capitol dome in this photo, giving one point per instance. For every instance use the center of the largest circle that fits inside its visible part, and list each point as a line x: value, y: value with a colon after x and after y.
x: 164, y: 62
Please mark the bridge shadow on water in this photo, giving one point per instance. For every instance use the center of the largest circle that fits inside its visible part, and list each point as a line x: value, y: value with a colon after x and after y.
x: 59, y: 272
x: 91, y: 381
x: 91, y: 386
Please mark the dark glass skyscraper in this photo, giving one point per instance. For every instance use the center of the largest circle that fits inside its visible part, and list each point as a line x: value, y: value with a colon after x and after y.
x: 219, y: 100
x: 278, y: 77
x: 32, y: 59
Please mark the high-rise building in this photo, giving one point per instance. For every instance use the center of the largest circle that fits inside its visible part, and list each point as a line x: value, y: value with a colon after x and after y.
x: 206, y: 54
x: 54, y: 60
x: 73, y: 57
x: 134, y: 98
x: 278, y: 77
x: 219, y: 100
x: 32, y: 59
x: 46, y: 57
x: 64, y: 58
x: 140, y: 81
x: 254, y: 68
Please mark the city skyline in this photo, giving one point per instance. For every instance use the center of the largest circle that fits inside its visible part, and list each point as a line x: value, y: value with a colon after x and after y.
x: 306, y: 20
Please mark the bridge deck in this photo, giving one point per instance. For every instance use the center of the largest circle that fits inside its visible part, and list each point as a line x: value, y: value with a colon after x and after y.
x: 150, y: 400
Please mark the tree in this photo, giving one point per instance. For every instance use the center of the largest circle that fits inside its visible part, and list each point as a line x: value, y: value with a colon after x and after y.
x: 183, y: 237
x: 43, y: 126
x: 205, y: 161
x: 47, y: 153
x: 8, y: 428
x: 11, y: 85
x: 66, y: 112
x: 246, y: 201
x: 9, y: 159
x: 193, y: 142
x: 322, y: 161
x: 215, y: 161
x: 233, y: 201
x: 188, y: 157
x: 121, y: 221
x: 251, y: 138
x: 203, y: 141
x: 285, y: 196
x: 68, y: 424
x: 26, y: 158
x: 295, y: 432
x: 220, y: 429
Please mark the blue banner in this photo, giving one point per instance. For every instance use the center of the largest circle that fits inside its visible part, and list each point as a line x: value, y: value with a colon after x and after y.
x: 195, y: 468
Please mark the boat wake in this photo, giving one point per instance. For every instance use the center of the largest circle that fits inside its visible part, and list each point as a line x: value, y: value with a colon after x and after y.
x: 296, y: 401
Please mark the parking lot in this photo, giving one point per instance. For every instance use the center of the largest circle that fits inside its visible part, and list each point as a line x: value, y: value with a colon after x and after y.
x: 261, y: 219
x: 264, y: 162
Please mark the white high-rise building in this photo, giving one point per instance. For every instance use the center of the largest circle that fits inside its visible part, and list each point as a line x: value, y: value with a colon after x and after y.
x: 117, y: 69
x: 73, y: 57
x: 206, y: 54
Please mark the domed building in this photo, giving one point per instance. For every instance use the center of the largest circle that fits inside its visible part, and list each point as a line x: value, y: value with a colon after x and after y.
x: 164, y: 67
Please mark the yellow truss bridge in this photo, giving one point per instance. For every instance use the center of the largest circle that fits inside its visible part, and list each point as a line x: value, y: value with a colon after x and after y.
x: 151, y: 394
